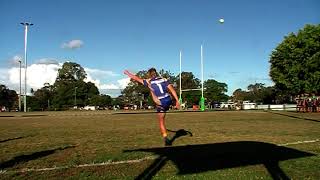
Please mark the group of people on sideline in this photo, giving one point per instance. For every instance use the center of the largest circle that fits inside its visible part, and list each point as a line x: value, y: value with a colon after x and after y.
x: 308, y: 103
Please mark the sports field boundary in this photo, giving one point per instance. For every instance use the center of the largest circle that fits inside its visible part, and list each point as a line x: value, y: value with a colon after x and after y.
x: 109, y: 163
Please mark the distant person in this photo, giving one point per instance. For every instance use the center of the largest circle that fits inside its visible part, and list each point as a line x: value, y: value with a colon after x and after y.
x: 159, y: 90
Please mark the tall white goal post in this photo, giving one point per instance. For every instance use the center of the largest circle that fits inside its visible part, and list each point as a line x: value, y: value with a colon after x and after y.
x: 202, y: 106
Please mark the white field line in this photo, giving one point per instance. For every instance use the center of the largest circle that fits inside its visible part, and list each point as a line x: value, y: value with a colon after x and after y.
x: 299, y: 142
x: 79, y: 166
x: 108, y: 163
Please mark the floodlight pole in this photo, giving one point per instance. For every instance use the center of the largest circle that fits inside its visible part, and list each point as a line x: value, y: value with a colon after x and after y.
x: 25, y: 24
x: 19, y: 85
x: 180, y: 90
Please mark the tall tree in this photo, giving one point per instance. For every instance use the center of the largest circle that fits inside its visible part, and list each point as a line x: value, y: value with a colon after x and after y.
x: 215, y: 91
x: 70, y: 88
x: 71, y: 71
x: 295, y: 62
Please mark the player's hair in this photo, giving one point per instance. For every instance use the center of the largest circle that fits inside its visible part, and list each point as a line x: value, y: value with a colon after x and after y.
x: 152, y: 72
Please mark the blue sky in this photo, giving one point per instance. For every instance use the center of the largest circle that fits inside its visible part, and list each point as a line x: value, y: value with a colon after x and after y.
x: 108, y: 36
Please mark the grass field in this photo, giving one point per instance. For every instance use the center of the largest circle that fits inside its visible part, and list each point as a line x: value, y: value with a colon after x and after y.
x: 101, y: 145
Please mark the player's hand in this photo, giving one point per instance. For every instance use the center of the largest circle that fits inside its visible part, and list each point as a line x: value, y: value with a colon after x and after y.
x: 126, y: 72
x: 177, y: 105
x: 129, y: 74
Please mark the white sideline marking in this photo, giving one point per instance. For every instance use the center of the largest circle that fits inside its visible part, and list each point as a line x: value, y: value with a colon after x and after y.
x: 299, y: 142
x: 79, y: 166
x: 118, y: 162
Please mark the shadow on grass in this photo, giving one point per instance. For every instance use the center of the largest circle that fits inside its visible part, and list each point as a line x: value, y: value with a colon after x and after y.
x: 11, y: 139
x: 207, y: 157
x: 29, y: 157
x: 292, y: 116
x: 179, y: 133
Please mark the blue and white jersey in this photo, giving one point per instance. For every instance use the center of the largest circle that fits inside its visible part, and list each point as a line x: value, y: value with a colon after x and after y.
x: 159, y: 86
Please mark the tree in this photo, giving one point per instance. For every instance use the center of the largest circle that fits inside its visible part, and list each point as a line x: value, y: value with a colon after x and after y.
x: 269, y: 95
x: 189, y: 81
x: 101, y: 100
x: 34, y: 104
x: 44, y: 96
x: 118, y: 101
x: 169, y: 76
x: 239, y: 95
x: 215, y: 91
x: 91, y: 90
x: 295, y: 62
x: 70, y: 88
x: 256, y: 93
x: 71, y: 71
x: 134, y: 92
x: 8, y: 98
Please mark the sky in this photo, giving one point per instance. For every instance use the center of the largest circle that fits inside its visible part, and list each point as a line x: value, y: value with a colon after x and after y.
x: 108, y: 36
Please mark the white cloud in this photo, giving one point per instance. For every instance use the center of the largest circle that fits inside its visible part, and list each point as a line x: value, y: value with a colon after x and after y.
x: 109, y: 86
x: 123, y: 82
x: 37, y: 75
x: 14, y: 61
x: 46, y: 69
x: 93, y: 76
x: 99, y: 73
x: 47, y: 61
x: 111, y: 92
x: 4, y: 76
x: 73, y: 44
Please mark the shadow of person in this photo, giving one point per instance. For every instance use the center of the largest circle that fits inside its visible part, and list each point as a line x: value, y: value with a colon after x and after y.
x: 179, y: 133
x: 24, y: 158
x: 191, y: 159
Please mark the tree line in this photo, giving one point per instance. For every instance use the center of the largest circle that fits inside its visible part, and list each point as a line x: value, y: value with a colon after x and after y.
x: 295, y: 70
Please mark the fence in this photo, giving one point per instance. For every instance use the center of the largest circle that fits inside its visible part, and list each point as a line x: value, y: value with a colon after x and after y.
x: 278, y: 107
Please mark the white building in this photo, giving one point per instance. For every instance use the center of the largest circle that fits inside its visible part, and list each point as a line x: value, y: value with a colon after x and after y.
x: 248, y: 105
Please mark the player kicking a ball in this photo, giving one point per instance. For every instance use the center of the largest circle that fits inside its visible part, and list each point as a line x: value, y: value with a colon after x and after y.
x: 159, y: 89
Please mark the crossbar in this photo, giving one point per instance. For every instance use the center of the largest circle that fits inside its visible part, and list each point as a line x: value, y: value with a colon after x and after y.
x: 191, y: 89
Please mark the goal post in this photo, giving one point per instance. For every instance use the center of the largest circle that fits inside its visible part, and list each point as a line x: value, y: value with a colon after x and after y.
x: 202, y: 100
x: 180, y: 90
x: 202, y: 107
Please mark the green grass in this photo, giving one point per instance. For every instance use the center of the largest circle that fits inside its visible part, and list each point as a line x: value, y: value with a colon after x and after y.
x: 68, y: 139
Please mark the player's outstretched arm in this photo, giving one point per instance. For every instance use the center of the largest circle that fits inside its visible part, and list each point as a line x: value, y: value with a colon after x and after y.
x: 174, y: 94
x: 134, y: 77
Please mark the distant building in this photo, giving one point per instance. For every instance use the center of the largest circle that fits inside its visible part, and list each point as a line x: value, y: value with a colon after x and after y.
x: 248, y: 105
x: 92, y: 108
